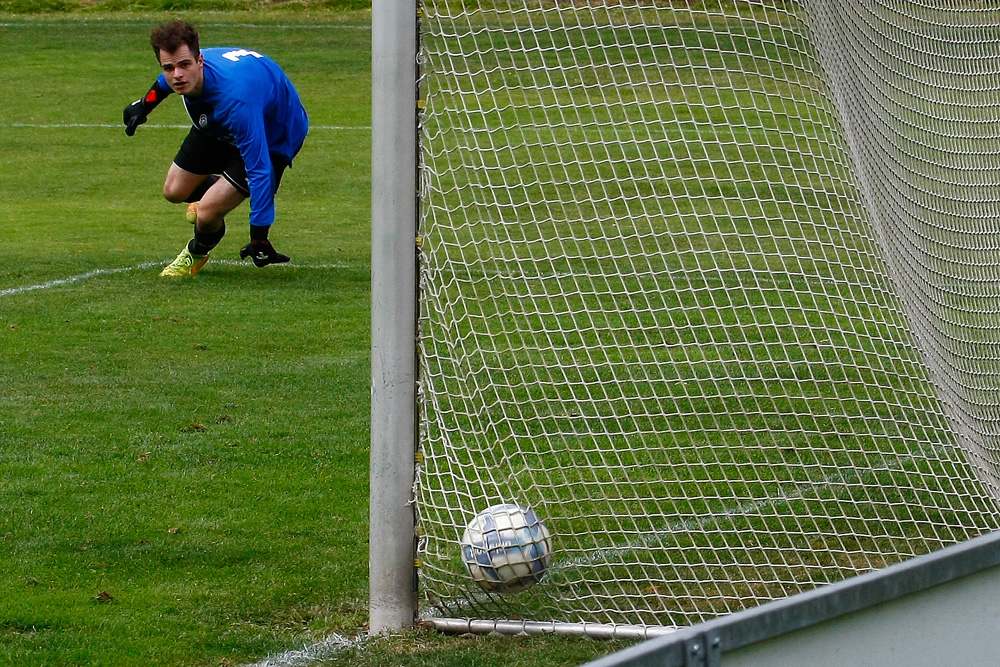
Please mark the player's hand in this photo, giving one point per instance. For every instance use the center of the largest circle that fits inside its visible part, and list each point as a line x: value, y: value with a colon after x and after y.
x: 134, y: 116
x: 263, y: 253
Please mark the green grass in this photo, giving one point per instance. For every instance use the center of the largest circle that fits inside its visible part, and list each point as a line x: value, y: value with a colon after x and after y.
x: 183, y: 465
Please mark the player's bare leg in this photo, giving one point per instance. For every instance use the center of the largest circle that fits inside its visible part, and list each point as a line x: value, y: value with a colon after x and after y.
x: 215, y: 198
x: 215, y: 204
x: 184, y: 186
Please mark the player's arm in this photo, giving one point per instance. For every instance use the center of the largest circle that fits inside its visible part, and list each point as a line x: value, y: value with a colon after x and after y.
x: 251, y: 139
x: 136, y: 113
x: 248, y: 129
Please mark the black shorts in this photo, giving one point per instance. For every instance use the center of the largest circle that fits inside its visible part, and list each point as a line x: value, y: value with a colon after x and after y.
x: 202, y: 153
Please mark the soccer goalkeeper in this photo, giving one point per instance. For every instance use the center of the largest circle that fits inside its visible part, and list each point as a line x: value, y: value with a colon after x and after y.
x: 248, y: 125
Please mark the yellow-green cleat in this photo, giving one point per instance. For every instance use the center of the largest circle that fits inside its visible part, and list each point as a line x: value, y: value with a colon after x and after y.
x: 191, y: 215
x: 186, y: 264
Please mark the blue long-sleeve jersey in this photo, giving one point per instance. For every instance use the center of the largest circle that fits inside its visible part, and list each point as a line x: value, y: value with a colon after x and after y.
x: 247, y: 100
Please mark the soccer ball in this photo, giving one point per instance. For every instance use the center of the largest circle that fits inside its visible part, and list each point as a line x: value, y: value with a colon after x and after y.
x: 506, y: 548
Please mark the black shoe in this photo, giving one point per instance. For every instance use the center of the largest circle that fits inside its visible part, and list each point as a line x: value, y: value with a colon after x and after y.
x: 263, y: 253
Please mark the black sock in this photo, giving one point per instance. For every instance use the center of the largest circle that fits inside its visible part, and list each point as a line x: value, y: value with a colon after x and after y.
x: 258, y: 234
x: 202, y: 188
x: 203, y: 242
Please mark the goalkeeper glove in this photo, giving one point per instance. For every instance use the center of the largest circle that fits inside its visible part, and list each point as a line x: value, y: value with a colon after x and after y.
x: 136, y: 113
x: 263, y: 253
x: 134, y: 116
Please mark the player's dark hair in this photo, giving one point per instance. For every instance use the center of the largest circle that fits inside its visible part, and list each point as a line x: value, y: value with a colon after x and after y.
x: 170, y: 36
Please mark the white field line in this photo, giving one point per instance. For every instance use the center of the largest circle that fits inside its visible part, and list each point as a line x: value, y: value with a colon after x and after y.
x: 14, y: 291
x: 291, y: 26
x: 119, y: 126
x: 324, y: 650
x: 104, y: 22
x: 801, y: 491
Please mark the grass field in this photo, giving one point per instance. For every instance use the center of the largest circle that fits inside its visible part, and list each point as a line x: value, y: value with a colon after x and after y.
x: 183, y: 464
x: 697, y: 368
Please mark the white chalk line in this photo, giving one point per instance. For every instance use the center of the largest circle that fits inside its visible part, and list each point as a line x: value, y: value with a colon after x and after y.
x: 120, y: 126
x: 105, y: 22
x: 14, y: 291
x: 326, y: 649
x: 845, y: 478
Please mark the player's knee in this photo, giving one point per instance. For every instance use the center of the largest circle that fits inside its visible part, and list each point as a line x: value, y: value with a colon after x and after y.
x: 173, y: 194
x: 210, y: 212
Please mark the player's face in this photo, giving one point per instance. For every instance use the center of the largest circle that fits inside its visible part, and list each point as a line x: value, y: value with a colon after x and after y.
x: 183, y: 70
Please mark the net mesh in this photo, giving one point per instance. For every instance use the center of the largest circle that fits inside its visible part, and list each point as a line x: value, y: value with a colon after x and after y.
x: 714, y: 290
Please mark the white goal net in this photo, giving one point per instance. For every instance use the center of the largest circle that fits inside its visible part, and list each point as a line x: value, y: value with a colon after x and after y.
x: 713, y: 287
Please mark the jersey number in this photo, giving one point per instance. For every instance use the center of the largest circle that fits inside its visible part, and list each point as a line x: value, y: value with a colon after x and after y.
x: 236, y: 55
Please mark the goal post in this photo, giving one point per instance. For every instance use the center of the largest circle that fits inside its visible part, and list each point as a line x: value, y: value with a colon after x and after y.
x: 712, y: 287
x: 392, y: 591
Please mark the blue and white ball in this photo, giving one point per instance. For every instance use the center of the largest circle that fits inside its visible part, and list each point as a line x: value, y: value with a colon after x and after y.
x: 506, y: 548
